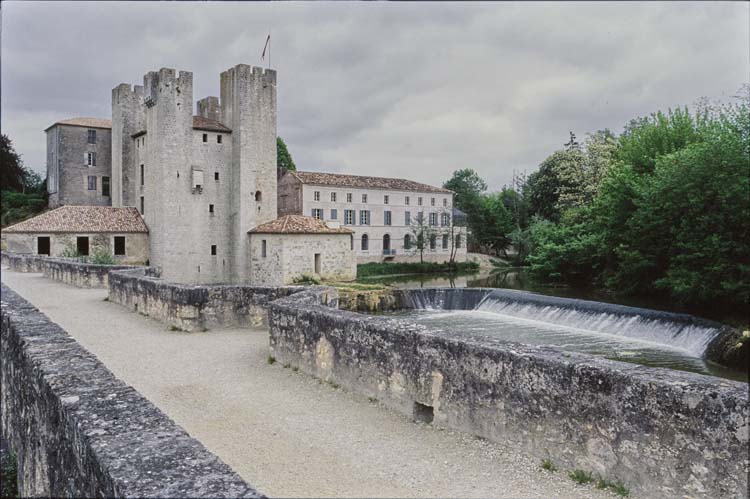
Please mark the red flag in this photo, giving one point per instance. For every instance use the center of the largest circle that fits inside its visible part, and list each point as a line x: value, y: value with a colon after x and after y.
x: 268, y: 40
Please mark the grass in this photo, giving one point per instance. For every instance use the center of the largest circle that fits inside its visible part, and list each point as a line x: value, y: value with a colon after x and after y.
x: 271, y: 360
x: 378, y: 269
x: 581, y: 477
x: 617, y: 487
x: 548, y: 465
x: 287, y: 366
x: 357, y: 286
x: 295, y: 369
x: 106, y: 298
x: 172, y: 327
x: 372, y: 400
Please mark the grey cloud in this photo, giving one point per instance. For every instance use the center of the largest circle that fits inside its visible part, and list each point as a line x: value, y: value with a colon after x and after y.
x: 413, y: 90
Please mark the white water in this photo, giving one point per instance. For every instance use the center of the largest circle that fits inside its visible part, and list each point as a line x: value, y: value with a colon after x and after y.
x: 689, y: 338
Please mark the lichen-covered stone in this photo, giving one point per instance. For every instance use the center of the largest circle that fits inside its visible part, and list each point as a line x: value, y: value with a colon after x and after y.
x: 78, y: 431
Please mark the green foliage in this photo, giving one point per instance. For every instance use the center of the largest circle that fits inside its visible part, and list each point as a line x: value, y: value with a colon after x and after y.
x: 271, y: 360
x: 663, y: 211
x: 581, y: 477
x: 493, y: 223
x: 102, y: 256
x: 17, y: 206
x: 8, y: 475
x: 24, y: 192
x: 283, y: 157
x: 70, y: 251
x: 307, y: 279
x: 548, y: 465
x: 12, y: 173
x: 378, y: 269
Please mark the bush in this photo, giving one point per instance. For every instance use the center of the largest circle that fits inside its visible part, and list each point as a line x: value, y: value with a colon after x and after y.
x: 102, y: 256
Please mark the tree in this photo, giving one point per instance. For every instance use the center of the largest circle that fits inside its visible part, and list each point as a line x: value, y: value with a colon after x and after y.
x: 468, y: 187
x: 283, y: 158
x: 12, y: 173
x: 496, y: 224
x: 421, y: 235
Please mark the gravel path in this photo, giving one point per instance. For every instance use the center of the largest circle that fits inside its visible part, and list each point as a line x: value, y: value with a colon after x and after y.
x: 283, y: 431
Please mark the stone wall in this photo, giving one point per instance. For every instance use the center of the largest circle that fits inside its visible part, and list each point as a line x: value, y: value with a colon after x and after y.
x: 193, y: 308
x: 136, y: 244
x: 73, y: 272
x: 663, y: 433
x: 66, y: 147
x: 78, y: 431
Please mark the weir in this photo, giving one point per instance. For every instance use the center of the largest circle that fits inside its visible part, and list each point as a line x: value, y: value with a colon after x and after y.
x: 684, y: 333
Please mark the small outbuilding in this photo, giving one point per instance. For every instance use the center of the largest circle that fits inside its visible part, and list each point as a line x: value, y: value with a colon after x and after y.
x: 82, y: 230
x: 293, y: 247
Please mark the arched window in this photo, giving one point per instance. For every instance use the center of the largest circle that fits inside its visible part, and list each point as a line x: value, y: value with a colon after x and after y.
x: 407, y: 241
x: 365, y: 243
x: 386, y: 242
x: 258, y: 196
x: 445, y: 241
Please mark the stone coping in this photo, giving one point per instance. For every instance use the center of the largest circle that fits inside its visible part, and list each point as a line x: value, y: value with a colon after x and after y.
x: 79, y: 431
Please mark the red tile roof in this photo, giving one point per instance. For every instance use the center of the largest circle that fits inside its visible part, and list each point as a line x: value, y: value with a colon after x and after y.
x: 297, y: 224
x: 201, y: 123
x: 363, y: 182
x: 83, y: 219
x: 84, y: 122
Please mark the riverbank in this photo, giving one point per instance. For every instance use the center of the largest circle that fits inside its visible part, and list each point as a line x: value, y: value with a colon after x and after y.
x: 408, y: 268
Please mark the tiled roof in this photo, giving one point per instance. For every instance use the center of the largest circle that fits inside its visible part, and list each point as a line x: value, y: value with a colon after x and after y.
x: 83, y: 219
x: 201, y: 123
x: 297, y: 224
x: 363, y: 182
x: 84, y: 122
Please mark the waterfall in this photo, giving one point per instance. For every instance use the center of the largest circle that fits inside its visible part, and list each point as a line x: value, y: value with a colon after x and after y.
x: 681, y: 331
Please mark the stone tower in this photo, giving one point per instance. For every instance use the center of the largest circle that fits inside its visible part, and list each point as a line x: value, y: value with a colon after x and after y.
x: 201, y: 182
x: 248, y: 107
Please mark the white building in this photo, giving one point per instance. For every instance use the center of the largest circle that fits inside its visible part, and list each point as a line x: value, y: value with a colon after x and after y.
x: 383, y: 212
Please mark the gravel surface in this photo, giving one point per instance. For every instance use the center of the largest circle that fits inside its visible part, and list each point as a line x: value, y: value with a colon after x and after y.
x: 284, y: 432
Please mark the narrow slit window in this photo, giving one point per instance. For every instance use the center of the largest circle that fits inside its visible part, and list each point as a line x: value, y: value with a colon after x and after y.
x: 213, y: 250
x: 263, y: 248
x: 218, y: 139
x: 205, y: 137
x: 211, y: 208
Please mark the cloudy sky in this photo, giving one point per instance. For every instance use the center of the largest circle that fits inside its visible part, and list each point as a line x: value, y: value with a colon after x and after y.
x: 404, y: 89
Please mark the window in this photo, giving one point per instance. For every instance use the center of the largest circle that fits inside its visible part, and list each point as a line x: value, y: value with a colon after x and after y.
x: 211, y: 208
x: 92, y: 182
x: 205, y: 137
x: 433, y: 218
x: 258, y: 197
x: 92, y: 136
x: 445, y: 201
x: 142, y: 206
x: 365, y: 243
x: 419, y: 201
x: 348, y: 217
x: 263, y: 248
x: 218, y: 139
x: 82, y: 245
x: 105, y: 186
x: 458, y: 240
x: 333, y: 197
x: 364, y: 198
x: 143, y: 176
x: 43, y: 245
x: 432, y: 201
x: 433, y: 241
x: 334, y: 214
x: 407, y: 241
x: 420, y: 217
x: 386, y: 218
x: 316, y: 196
x: 216, y: 176
x: 119, y: 245
x: 445, y: 220
x: 89, y: 158
x: 407, y: 218
x: 445, y: 241
x: 317, y: 213
x: 406, y: 200
x: 385, y: 199
x: 364, y: 217
x: 213, y: 250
